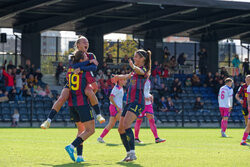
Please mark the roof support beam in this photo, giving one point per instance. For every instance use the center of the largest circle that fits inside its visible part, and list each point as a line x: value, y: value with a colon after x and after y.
x: 55, y: 21
x: 24, y: 6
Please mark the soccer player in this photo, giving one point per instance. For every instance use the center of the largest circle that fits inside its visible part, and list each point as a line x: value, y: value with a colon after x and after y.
x: 225, y: 99
x: 79, y: 108
x: 115, y: 108
x: 149, y: 113
x: 82, y: 44
x: 243, y: 92
x: 247, y: 130
x: 135, y: 99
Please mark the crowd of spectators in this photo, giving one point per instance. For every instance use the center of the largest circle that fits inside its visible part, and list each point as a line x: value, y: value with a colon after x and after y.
x: 22, y: 81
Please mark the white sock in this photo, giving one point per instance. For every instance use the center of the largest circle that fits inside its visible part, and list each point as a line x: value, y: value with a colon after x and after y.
x: 71, y: 146
x: 79, y: 156
x: 128, y: 152
x: 242, y: 141
x: 49, y: 120
x: 132, y: 151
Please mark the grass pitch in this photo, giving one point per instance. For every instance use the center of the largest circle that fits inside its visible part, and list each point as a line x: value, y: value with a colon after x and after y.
x: 184, y: 147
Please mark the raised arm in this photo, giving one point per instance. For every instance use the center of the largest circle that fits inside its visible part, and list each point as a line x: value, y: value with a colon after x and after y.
x: 136, y: 69
x: 79, y: 65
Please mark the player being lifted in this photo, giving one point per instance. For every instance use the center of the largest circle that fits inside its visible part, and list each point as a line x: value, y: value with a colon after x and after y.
x: 115, y: 108
x: 82, y: 44
x: 149, y: 113
x: 242, y: 91
x: 135, y: 99
x: 247, y: 130
x: 225, y: 99
x: 79, y: 107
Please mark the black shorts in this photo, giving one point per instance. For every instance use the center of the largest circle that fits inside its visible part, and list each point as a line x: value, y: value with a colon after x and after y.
x: 81, y: 113
x: 245, y: 111
x: 134, y: 108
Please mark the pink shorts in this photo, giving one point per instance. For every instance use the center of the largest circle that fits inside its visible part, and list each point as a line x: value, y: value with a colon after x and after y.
x: 148, y: 109
x: 224, y: 112
x: 112, y: 110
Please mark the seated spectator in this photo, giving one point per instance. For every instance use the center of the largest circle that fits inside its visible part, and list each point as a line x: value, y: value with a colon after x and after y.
x: 165, y: 73
x: 198, y: 105
x: 172, y: 64
x: 9, y: 80
x: 156, y: 72
x: 188, y: 82
x: 38, y: 76
x: 101, y: 76
x: 12, y: 95
x: 125, y: 59
x: 170, y: 105
x: 218, y: 86
x: 2, y: 79
x: 177, y: 85
x: 196, y: 80
x: 106, y: 89
x: 224, y: 72
x: 155, y: 84
x: 109, y: 58
x: 15, y: 118
x: 216, y: 78
x: 48, y: 91
x: 209, y: 81
x: 163, y: 90
x: 3, y: 96
x: 163, y: 105
x: 59, y: 70
x: 174, y: 93
x: 39, y: 91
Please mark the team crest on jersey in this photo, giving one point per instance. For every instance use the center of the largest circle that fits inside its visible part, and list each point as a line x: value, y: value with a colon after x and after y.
x: 133, y: 82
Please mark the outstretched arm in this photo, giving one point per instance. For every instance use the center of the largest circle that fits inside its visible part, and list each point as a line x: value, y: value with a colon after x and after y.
x: 136, y: 69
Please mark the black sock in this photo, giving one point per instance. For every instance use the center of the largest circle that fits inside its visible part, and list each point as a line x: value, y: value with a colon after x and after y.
x: 125, y: 141
x: 77, y: 142
x: 97, y: 109
x: 52, y: 114
x: 131, y: 138
x: 79, y: 150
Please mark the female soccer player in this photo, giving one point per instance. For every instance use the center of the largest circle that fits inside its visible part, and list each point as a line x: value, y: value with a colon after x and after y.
x: 115, y: 108
x: 149, y: 113
x: 79, y: 108
x: 135, y: 99
x: 82, y: 44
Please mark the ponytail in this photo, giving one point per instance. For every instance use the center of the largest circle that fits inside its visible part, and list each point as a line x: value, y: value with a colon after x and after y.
x: 148, y: 63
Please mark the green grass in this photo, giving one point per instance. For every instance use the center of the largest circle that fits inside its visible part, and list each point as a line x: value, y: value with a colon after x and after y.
x: 184, y: 147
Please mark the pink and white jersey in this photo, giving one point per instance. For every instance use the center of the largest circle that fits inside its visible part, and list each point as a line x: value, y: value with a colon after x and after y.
x: 117, y: 92
x: 225, y: 97
x: 147, y: 87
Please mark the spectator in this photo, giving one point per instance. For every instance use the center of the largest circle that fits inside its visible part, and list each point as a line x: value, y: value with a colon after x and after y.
x: 198, y: 105
x: 164, y: 73
x: 202, y: 61
x: 10, y: 65
x: 196, y: 80
x: 3, y: 96
x: 156, y: 72
x: 224, y: 72
x: 163, y: 105
x: 2, y: 79
x: 236, y: 65
x: 188, y: 82
x: 218, y: 85
x: 174, y: 93
x: 125, y: 59
x: 101, y: 76
x: 19, y: 85
x: 246, y: 66
x: 209, y: 81
x: 59, y: 70
x: 12, y: 95
x: 39, y: 91
x: 170, y: 105
x: 182, y: 58
x: 15, y: 118
x: 9, y: 80
x: 48, y: 91
x: 177, y: 84
x: 109, y: 59
x: 172, y: 64
x: 28, y: 67
x: 155, y: 84
x: 38, y: 76
x: 163, y: 90
x: 166, y: 56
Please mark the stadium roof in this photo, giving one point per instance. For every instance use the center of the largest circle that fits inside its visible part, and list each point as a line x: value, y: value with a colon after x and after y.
x: 191, y: 18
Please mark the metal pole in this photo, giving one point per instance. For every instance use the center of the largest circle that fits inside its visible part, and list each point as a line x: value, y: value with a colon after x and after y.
x: 118, y: 47
x: 229, y: 54
x: 57, y: 38
x: 248, y: 52
x: 175, y: 49
x: 31, y: 110
x: 15, y: 50
x: 195, y: 56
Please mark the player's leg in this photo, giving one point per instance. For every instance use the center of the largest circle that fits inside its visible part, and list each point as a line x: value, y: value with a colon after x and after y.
x: 137, y: 129
x: 129, y: 118
x: 123, y: 135
x: 111, y: 124
x: 246, y: 114
x: 153, y: 128
x: 56, y: 107
x: 246, y: 133
x: 94, y: 102
x: 80, y: 127
x: 224, y: 121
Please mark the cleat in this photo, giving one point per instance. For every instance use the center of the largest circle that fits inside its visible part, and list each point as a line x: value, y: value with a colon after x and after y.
x: 100, y: 118
x: 127, y: 157
x: 131, y: 157
x: 70, y: 151
x: 45, y: 125
x: 223, y: 134
x: 159, y: 140
x: 138, y: 141
x: 100, y: 140
x: 79, y: 159
x: 244, y: 144
x: 248, y: 138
